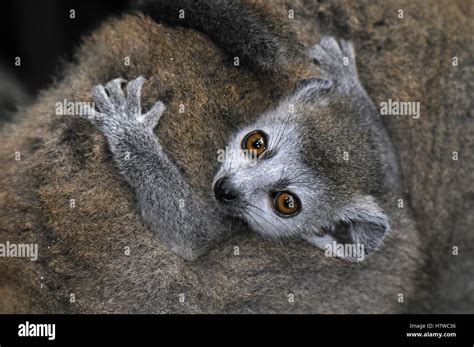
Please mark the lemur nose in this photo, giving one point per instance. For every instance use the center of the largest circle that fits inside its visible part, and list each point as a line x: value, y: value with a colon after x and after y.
x: 224, y: 190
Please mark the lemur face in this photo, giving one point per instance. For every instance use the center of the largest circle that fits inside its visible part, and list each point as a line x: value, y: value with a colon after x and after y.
x: 281, y: 174
x: 264, y: 181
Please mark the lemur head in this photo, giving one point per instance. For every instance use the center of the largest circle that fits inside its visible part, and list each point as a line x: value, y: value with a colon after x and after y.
x: 309, y: 168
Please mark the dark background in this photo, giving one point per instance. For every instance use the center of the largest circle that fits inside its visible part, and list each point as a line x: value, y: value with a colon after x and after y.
x: 41, y: 33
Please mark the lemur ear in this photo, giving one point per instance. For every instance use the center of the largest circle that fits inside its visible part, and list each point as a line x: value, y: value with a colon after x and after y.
x: 358, y: 231
x: 311, y: 86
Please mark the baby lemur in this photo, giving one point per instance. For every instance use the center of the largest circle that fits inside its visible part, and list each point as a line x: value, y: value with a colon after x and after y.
x: 301, y: 178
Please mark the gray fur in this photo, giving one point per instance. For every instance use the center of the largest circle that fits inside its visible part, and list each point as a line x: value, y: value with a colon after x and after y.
x: 241, y: 29
x: 290, y: 165
x: 163, y: 195
x: 81, y: 250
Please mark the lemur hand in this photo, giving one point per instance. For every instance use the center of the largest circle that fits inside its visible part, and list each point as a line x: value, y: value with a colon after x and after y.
x: 120, y: 116
x: 167, y: 203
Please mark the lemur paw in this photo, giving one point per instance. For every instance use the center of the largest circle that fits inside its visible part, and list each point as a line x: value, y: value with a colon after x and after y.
x: 119, y: 112
x: 336, y: 59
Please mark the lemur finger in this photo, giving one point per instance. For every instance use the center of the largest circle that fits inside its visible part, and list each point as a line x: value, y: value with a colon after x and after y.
x: 348, y: 51
x: 152, y: 117
x: 331, y: 46
x: 102, y: 100
x: 114, y: 88
x: 94, y: 117
x: 134, y: 95
x: 320, y: 55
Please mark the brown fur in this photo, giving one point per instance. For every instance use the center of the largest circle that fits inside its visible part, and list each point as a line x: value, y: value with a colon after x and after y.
x: 82, y: 248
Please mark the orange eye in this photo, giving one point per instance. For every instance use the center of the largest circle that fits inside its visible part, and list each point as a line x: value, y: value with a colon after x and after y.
x: 255, y: 141
x: 286, y: 204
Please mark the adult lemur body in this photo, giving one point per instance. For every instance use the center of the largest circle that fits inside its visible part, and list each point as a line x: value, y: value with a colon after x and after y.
x: 100, y: 252
x: 299, y: 185
x: 336, y: 198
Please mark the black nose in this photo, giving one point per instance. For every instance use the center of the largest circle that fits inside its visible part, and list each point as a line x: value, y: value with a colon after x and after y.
x: 224, y: 190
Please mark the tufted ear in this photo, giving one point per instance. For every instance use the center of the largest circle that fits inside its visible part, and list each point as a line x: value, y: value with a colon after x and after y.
x: 357, y: 232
